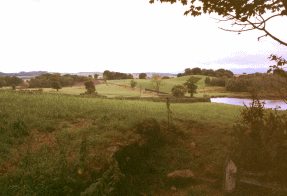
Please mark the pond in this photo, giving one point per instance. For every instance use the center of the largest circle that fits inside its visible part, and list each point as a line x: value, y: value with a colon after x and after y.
x: 238, y: 101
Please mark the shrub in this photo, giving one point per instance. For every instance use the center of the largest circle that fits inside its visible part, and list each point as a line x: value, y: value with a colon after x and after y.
x: 218, y: 81
x: 133, y: 83
x: 178, y: 91
x: 90, y: 86
x: 56, y: 85
x: 142, y: 76
x: 260, y: 140
x: 207, y: 80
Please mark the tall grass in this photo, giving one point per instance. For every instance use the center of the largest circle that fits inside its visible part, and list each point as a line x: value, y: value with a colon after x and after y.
x: 53, y: 144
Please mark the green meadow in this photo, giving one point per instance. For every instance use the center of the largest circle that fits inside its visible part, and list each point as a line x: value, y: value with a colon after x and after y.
x: 42, y: 138
x: 168, y: 84
x: 61, y: 143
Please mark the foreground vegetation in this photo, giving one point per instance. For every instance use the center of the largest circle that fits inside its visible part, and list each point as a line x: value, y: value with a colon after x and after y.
x: 59, y: 145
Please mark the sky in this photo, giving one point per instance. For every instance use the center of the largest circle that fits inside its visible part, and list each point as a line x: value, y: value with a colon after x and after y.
x: 129, y: 36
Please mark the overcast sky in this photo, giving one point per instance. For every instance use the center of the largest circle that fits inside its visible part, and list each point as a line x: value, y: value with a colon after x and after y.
x: 126, y: 36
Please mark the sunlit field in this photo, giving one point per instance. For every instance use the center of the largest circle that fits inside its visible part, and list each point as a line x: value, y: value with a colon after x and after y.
x: 168, y: 84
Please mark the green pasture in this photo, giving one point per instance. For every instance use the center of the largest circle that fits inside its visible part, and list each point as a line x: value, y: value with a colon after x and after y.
x: 118, y: 91
x: 111, y: 91
x: 55, y: 144
x: 29, y: 120
x: 168, y: 84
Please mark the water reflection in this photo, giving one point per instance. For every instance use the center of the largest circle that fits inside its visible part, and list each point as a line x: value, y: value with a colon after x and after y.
x: 237, y: 101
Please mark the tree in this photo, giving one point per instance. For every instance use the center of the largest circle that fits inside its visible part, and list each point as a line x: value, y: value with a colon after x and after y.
x: 196, y: 71
x: 142, y: 76
x: 187, y: 71
x: 2, y: 82
x: 16, y: 81
x: 90, y: 86
x: 133, y: 83
x: 207, y: 80
x: 105, y: 79
x: 156, y: 81
x: 56, y: 85
x: 246, y: 15
x: 180, y: 75
x: 190, y: 84
x: 178, y: 91
x: 96, y: 76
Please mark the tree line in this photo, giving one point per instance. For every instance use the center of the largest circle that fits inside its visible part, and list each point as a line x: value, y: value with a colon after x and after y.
x: 262, y: 83
x: 10, y: 81
x: 47, y: 80
x: 111, y: 75
x: 206, y: 72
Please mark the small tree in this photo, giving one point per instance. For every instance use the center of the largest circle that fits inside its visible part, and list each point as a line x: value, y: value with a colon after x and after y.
x: 105, y: 79
x: 90, y: 86
x: 2, y: 82
x: 133, y: 83
x: 56, y: 85
x: 207, y: 80
x: 156, y: 81
x: 142, y: 76
x: 190, y: 84
x: 178, y: 91
x: 96, y: 76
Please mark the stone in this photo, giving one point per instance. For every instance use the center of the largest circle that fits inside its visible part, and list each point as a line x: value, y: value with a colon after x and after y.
x: 181, y: 177
x: 173, y: 188
x: 230, y: 178
x: 192, y: 144
x: 113, y: 149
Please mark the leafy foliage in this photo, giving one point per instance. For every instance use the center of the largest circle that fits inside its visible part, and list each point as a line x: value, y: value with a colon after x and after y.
x: 108, y: 184
x: 178, y: 91
x: 260, y: 138
x: 207, y: 80
x: 133, y: 83
x: 96, y: 76
x: 90, y: 86
x: 206, y: 72
x: 218, y: 81
x: 10, y: 81
x: 142, y: 76
x: 46, y: 80
x: 56, y: 85
x: 156, y: 81
x: 191, y: 85
x: 110, y: 75
x: 248, y: 15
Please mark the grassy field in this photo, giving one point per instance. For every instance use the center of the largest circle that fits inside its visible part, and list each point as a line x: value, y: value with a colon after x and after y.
x: 55, y: 144
x: 168, y: 84
x: 110, y: 91
x: 121, y: 88
x: 44, y: 138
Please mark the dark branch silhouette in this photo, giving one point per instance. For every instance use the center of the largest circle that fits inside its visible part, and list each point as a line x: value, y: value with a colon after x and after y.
x: 247, y: 14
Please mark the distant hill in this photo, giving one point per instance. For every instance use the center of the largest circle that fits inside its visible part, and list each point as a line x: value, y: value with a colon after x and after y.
x: 23, y: 73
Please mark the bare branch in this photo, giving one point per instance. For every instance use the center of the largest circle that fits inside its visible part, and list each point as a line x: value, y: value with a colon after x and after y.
x: 262, y: 36
x: 237, y: 31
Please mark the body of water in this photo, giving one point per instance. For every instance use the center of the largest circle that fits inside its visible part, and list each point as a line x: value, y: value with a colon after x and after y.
x: 237, y: 101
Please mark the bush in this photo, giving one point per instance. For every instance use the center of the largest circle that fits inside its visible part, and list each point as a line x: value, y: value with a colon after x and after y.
x: 178, y: 91
x: 218, y: 81
x: 207, y: 80
x: 90, y: 86
x: 260, y: 140
x: 133, y: 83
x: 237, y: 85
x: 56, y: 85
